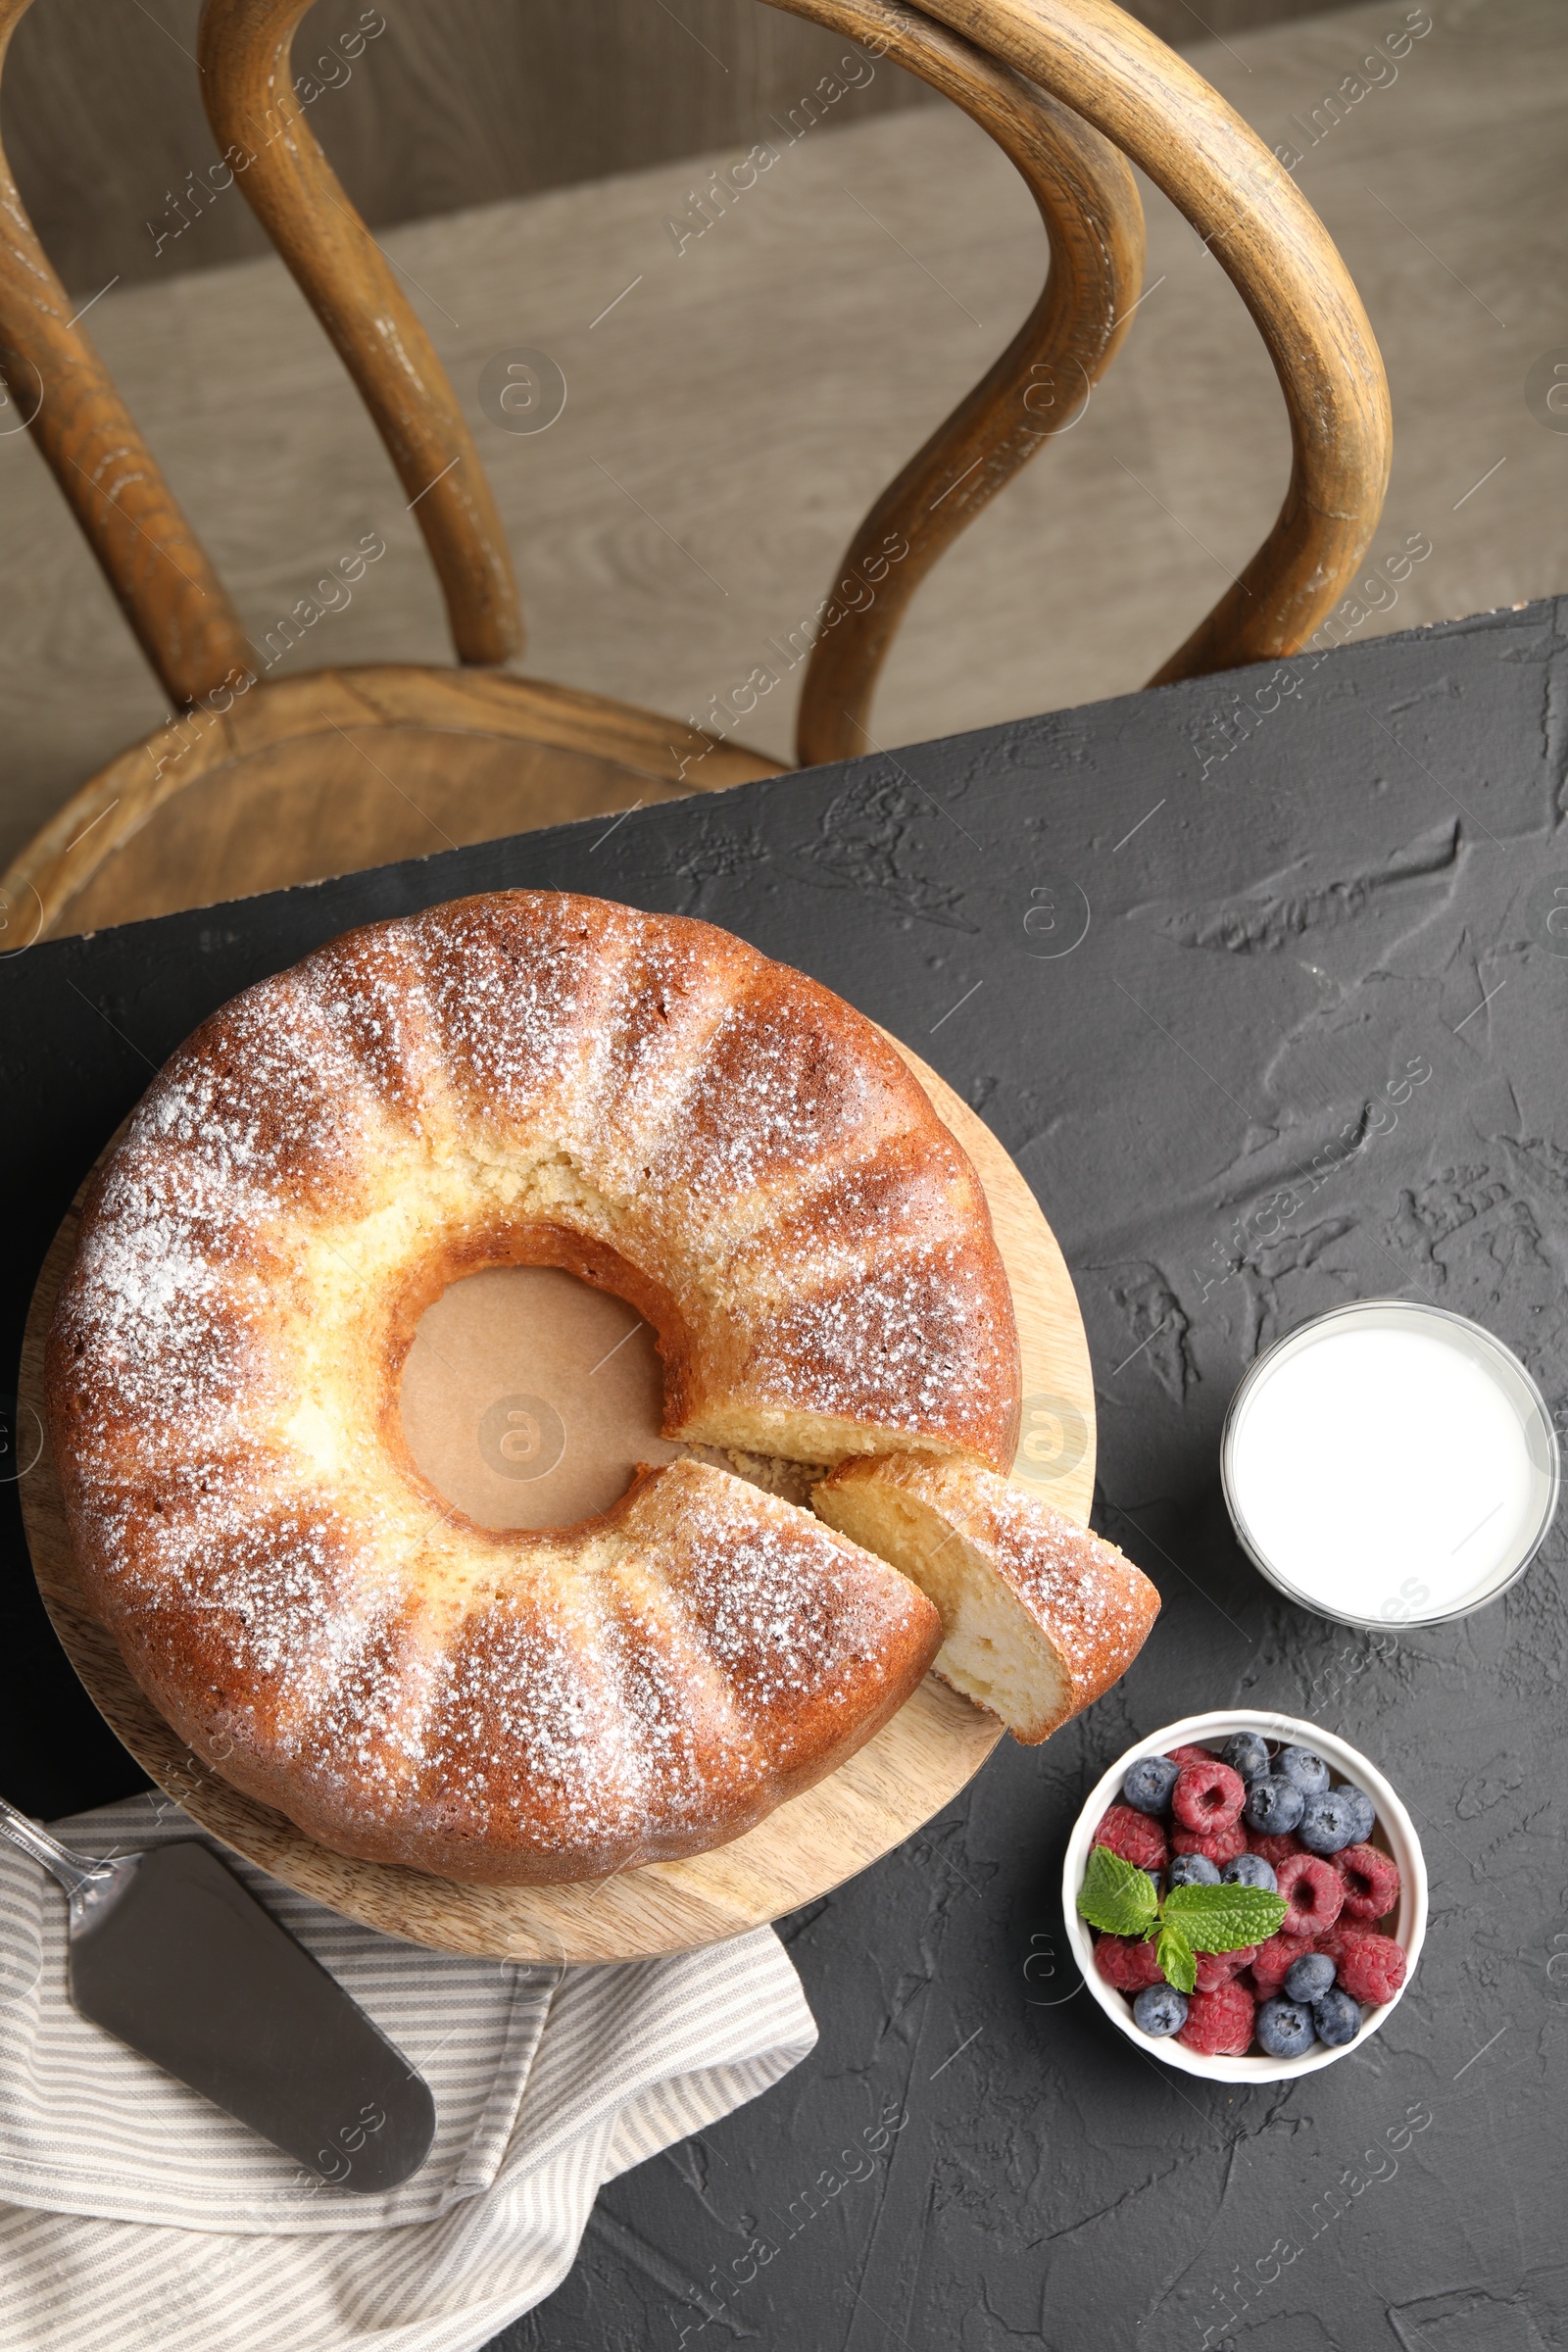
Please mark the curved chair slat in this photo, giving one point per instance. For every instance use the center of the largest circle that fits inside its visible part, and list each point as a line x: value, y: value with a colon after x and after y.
x: 248, y: 89
x: 1276, y: 252
x: 1069, y: 88
x: 110, y: 480
x: 1088, y: 202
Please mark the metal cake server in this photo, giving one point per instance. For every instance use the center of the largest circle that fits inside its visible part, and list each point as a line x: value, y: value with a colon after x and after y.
x: 169, y: 1953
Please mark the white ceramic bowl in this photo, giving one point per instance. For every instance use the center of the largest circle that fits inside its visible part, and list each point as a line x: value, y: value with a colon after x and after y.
x: 1394, y: 1830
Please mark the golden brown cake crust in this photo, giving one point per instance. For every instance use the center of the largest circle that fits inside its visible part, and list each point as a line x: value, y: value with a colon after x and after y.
x: 529, y: 1076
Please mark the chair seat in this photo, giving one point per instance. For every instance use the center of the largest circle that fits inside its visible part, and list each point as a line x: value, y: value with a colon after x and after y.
x: 331, y: 771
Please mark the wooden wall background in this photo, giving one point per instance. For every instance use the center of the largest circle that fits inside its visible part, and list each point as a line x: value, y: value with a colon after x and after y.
x: 453, y: 103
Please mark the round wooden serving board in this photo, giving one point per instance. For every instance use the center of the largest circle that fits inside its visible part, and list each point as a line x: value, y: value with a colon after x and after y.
x: 899, y: 1780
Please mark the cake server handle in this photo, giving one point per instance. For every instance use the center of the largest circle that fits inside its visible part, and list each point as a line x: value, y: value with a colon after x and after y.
x: 75, y: 1872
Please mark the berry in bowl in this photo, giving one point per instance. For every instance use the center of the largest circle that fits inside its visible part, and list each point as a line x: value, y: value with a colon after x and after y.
x: 1245, y: 1896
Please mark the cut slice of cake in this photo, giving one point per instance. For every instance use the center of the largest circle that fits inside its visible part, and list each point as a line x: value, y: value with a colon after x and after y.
x: 1039, y: 1617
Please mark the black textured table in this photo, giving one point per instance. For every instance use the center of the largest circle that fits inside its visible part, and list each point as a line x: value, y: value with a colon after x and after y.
x: 1179, y: 949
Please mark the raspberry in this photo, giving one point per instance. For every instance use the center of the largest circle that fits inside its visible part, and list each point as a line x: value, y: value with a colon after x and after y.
x: 1191, y: 1755
x: 1371, y: 1966
x: 1218, y: 1845
x: 1127, y: 1962
x: 1134, y: 1836
x: 1277, y: 1849
x: 1314, y: 1891
x: 1207, y: 1796
x: 1219, y: 2024
x: 1215, y: 1969
x: 1274, y: 1960
x: 1371, y: 1882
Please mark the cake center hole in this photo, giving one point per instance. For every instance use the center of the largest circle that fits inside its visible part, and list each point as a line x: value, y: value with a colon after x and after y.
x: 530, y: 1398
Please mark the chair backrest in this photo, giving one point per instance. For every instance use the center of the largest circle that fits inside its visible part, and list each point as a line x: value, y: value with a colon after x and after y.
x: 1068, y: 88
x: 113, y: 484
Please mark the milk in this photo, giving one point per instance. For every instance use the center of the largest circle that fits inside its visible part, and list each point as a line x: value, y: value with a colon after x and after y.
x: 1389, y: 1464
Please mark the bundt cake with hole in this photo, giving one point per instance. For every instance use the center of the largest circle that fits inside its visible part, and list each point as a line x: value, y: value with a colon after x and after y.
x: 525, y: 1077
x: 1039, y: 1617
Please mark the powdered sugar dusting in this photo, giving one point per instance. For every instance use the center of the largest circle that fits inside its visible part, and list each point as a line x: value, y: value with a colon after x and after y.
x: 1098, y: 1605
x: 222, y: 1380
x: 781, y: 1606
x: 906, y: 1344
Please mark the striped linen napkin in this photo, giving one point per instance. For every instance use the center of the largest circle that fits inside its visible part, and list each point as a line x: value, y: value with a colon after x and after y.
x: 134, y: 2215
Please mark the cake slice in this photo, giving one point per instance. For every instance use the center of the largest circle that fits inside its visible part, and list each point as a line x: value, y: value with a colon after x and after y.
x: 1039, y: 1617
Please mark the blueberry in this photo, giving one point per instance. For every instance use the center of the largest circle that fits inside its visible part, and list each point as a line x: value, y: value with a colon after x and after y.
x: 1191, y: 1870
x: 1337, y: 2017
x: 1335, y: 1819
x: 1309, y: 1978
x: 1159, y: 2009
x: 1148, y: 1784
x: 1246, y: 1754
x: 1284, y: 2028
x: 1298, y: 1764
x: 1249, y: 1870
x: 1274, y: 1805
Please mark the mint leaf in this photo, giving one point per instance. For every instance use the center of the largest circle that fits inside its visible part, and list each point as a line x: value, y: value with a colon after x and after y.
x: 1175, y: 1956
x: 1221, y: 1919
x: 1116, y: 1896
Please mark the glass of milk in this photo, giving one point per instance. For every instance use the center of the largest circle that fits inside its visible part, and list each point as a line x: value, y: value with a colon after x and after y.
x: 1389, y: 1464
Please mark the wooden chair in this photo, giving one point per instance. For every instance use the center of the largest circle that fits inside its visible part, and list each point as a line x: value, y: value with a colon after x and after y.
x: 262, y: 784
